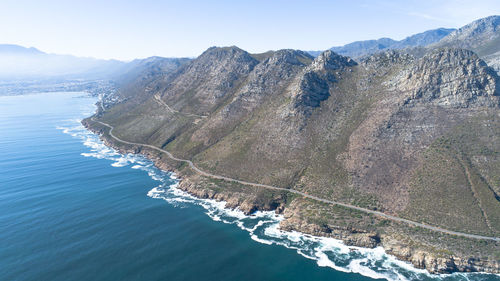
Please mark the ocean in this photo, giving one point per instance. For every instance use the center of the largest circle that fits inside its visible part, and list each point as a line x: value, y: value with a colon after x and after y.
x: 73, y: 209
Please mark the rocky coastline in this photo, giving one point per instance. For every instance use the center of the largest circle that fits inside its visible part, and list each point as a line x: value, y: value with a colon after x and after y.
x: 195, y: 185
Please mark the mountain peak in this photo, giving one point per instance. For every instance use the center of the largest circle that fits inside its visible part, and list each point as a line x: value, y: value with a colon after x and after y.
x: 329, y: 60
x: 290, y: 56
x: 222, y: 50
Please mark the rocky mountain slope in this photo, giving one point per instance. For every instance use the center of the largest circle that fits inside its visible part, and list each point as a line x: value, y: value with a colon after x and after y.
x: 417, y: 137
x: 367, y: 47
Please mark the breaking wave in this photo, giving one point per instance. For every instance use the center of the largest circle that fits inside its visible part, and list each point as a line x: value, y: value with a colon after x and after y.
x: 263, y: 227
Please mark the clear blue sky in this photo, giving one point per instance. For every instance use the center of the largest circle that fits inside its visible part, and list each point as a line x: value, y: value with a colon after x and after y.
x: 130, y: 29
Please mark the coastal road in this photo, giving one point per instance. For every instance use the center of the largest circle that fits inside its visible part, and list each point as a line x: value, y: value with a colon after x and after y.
x: 377, y: 213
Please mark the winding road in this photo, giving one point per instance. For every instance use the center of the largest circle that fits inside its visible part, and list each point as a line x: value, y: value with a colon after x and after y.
x: 160, y: 101
x: 377, y: 213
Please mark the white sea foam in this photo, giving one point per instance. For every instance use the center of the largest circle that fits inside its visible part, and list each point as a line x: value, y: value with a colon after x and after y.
x: 324, y: 261
x: 263, y: 241
x: 263, y: 227
x: 122, y: 162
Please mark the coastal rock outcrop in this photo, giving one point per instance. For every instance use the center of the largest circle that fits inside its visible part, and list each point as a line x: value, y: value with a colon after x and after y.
x: 438, y: 263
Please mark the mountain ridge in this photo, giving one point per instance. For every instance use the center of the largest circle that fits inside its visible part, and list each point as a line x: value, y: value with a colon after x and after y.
x: 367, y: 47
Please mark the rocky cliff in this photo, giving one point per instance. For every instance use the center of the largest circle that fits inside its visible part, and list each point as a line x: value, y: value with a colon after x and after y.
x: 451, y: 78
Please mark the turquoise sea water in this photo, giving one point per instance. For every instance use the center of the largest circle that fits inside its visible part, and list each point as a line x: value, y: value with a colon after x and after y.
x: 73, y: 209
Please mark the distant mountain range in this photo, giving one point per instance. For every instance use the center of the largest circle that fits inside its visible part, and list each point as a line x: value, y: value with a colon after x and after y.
x: 367, y: 47
x: 17, y: 62
x: 11, y: 49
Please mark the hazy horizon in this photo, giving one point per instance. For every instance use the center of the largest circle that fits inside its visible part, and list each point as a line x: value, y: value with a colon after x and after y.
x: 140, y: 29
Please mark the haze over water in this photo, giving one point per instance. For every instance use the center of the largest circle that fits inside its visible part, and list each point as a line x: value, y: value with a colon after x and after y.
x: 73, y: 209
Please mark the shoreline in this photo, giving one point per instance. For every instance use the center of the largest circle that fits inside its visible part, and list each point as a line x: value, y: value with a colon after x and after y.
x: 195, y: 186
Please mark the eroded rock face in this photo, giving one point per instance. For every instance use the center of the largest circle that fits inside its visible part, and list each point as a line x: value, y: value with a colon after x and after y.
x: 314, y: 85
x: 452, y: 78
x: 313, y: 90
x: 384, y: 62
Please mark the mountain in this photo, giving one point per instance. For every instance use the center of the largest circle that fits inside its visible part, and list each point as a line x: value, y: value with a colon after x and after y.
x: 414, y: 137
x: 20, y: 63
x: 361, y: 48
x: 16, y: 49
x: 141, y: 75
x: 481, y: 36
x: 423, y: 39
